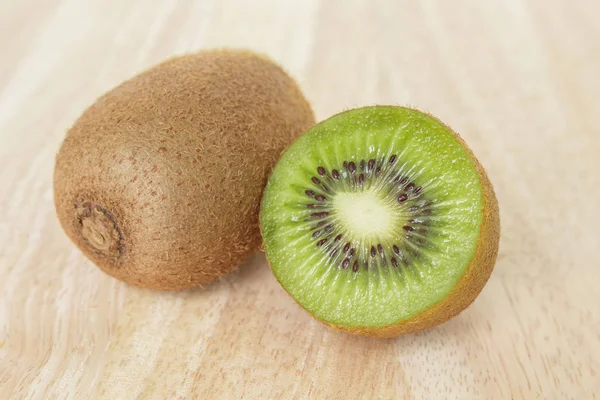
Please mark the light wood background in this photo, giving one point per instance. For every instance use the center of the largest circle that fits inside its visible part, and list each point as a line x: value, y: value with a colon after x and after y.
x: 520, y: 79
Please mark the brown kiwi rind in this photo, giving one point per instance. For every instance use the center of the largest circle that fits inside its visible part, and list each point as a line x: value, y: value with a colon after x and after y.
x: 159, y: 182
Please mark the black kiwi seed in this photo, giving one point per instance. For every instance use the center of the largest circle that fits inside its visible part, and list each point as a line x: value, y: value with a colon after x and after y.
x: 351, y: 167
x: 319, y: 215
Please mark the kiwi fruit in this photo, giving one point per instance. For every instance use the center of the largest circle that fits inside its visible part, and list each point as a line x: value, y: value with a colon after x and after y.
x: 380, y: 221
x: 159, y: 182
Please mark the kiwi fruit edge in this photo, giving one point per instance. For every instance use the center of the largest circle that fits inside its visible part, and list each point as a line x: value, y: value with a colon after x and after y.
x: 159, y: 181
x: 475, y: 275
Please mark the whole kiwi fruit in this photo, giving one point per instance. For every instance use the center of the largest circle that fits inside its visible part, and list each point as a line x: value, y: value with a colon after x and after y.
x: 159, y: 181
x: 380, y: 221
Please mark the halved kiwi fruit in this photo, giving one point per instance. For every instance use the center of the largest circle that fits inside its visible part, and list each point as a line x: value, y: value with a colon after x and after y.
x: 380, y: 221
x: 159, y: 182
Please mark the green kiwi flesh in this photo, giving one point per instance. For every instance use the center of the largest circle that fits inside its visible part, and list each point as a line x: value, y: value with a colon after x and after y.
x: 373, y: 216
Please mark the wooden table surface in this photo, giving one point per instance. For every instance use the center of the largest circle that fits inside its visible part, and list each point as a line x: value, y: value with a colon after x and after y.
x: 520, y: 79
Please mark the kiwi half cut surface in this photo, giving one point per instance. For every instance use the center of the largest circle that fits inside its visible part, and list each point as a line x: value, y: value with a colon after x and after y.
x: 380, y: 221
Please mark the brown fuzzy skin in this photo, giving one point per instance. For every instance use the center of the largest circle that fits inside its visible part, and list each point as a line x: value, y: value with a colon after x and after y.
x: 159, y: 182
x: 473, y: 280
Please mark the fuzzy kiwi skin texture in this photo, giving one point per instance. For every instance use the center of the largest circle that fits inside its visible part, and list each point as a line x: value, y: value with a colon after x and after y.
x: 159, y: 182
x: 471, y: 283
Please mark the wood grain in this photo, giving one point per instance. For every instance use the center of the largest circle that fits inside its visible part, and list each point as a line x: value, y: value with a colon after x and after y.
x: 517, y: 78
